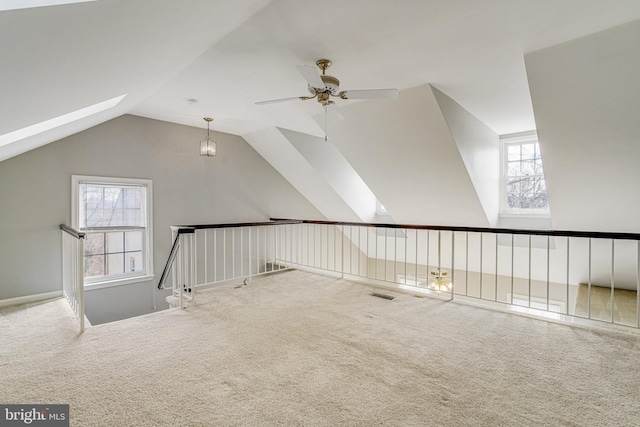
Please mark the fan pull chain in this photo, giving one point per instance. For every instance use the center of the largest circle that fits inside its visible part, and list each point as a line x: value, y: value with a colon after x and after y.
x: 326, y: 137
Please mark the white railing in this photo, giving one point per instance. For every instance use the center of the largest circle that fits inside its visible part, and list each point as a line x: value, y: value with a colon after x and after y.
x: 73, y: 270
x: 206, y: 255
x: 565, y: 275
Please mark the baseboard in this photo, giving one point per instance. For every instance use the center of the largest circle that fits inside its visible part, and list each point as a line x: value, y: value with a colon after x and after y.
x: 30, y: 298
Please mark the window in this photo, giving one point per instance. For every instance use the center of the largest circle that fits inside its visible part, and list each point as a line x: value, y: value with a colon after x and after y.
x: 523, y: 188
x: 116, y: 215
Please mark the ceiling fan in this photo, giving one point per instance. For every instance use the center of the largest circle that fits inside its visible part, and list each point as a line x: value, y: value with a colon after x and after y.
x: 323, y: 87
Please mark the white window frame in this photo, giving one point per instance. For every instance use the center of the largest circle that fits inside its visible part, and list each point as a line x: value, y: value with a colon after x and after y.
x: 505, y: 210
x: 106, y: 281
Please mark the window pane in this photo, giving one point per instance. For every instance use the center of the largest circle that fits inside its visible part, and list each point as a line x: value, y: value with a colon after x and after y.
x: 528, y: 167
x: 133, y: 240
x: 93, y: 265
x: 134, y: 262
x: 513, y: 168
x: 94, y: 243
x: 513, y: 193
x: 132, y: 217
x: 539, y: 201
x: 132, y: 197
x: 513, y: 152
x: 115, y: 264
x: 528, y: 151
x: 133, y: 206
x: 542, y: 186
x: 527, y: 193
x: 527, y: 187
x: 111, y: 206
x: 513, y: 185
x: 115, y: 242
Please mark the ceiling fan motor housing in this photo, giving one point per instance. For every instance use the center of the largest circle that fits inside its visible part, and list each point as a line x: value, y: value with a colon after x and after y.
x: 331, y: 85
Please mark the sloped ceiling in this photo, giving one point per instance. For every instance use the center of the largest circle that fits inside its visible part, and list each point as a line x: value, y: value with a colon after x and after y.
x: 228, y: 55
x: 182, y: 61
x: 59, y: 59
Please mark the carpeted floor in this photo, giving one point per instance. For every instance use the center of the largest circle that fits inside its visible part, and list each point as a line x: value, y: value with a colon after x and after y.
x: 305, y: 350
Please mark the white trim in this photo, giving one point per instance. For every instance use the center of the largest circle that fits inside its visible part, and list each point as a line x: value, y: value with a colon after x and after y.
x: 529, y: 213
x: 520, y: 137
x: 30, y: 298
x: 26, y: 4
x: 504, y: 211
x: 76, y: 180
x: 55, y: 122
x: 118, y: 282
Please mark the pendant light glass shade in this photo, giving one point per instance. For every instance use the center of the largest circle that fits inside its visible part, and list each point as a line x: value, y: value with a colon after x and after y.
x: 439, y: 281
x: 208, y: 147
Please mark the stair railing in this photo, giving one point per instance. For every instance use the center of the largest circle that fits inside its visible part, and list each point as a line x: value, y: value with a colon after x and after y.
x: 210, y: 254
x: 573, y: 276
x: 73, y: 270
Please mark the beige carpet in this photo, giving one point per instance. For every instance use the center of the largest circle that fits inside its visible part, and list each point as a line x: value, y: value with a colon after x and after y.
x: 305, y: 350
x: 624, y: 308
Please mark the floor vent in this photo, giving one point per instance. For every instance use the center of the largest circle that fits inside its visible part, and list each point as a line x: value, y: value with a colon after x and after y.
x: 383, y: 296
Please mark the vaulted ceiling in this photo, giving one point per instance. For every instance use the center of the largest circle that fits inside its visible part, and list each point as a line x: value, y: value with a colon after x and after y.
x: 228, y: 55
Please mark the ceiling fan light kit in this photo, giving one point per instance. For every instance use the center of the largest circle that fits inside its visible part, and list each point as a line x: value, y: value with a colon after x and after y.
x: 323, y: 86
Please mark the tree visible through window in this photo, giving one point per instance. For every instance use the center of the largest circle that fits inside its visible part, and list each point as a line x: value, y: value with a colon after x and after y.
x: 524, y: 188
x: 115, y: 219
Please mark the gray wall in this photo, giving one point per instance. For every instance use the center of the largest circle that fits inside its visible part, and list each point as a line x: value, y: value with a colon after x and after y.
x: 35, y: 193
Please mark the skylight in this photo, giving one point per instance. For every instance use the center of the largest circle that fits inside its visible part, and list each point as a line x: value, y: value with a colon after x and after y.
x: 23, y: 133
x: 25, y: 4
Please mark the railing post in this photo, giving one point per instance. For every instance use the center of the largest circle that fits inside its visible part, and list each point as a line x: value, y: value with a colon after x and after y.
x: 638, y: 284
x: 613, y: 293
x: 180, y: 268
x: 79, y: 291
x: 342, y: 250
x: 453, y: 260
x: 589, y: 292
x: 193, y: 264
x: 73, y: 270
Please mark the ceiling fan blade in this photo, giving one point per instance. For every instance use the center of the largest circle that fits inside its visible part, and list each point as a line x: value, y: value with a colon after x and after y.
x: 370, y: 94
x: 311, y: 75
x: 334, y: 113
x: 275, y: 101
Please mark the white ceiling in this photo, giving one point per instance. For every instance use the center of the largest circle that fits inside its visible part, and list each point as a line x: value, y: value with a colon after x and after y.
x: 228, y: 55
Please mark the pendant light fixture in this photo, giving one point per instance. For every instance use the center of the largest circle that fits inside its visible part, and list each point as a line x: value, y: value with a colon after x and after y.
x: 207, y: 145
x: 439, y: 281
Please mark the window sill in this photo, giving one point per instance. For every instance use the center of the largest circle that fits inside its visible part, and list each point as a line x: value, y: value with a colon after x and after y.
x: 92, y: 286
x: 524, y: 215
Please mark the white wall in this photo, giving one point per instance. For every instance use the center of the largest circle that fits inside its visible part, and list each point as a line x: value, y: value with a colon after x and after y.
x: 295, y: 168
x: 405, y: 153
x: 586, y: 99
x: 337, y: 172
x: 479, y: 148
x: 35, y: 192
